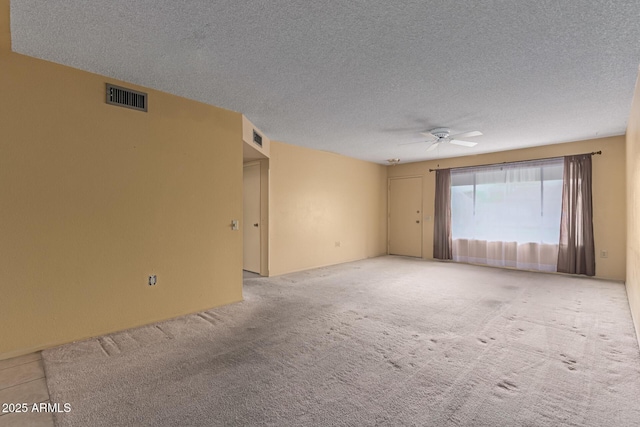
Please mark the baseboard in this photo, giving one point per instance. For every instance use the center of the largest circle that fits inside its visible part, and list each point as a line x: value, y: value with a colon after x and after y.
x: 635, y: 319
x: 313, y: 267
x: 21, y: 352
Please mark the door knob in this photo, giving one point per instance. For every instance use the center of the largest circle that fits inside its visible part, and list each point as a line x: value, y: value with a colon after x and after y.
x: 417, y: 222
x: 255, y: 225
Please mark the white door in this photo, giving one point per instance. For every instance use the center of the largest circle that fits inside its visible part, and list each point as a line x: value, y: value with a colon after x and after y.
x: 251, y: 218
x: 405, y: 216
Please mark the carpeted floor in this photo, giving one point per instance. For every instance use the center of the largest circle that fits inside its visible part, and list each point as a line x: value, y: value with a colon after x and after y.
x: 386, y: 341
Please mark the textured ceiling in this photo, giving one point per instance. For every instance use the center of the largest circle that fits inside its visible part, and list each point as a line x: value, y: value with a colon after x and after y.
x: 361, y: 78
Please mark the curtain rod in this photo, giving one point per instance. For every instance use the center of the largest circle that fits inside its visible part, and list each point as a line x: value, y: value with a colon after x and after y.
x: 519, y: 161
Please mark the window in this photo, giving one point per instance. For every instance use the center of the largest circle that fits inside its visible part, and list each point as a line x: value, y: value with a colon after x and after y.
x: 516, y: 202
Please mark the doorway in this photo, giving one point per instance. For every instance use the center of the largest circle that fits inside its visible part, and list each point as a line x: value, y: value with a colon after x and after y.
x: 405, y: 216
x: 251, y: 217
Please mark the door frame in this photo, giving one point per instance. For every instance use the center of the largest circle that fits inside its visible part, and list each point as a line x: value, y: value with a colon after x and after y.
x: 264, y: 212
x: 421, y: 210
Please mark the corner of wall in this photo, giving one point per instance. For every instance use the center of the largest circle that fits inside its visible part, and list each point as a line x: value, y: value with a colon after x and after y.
x: 5, y: 27
x: 633, y: 209
x: 327, y: 209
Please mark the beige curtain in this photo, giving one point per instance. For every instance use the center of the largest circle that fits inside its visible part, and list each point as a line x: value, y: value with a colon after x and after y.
x: 576, y: 253
x: 442, y: 217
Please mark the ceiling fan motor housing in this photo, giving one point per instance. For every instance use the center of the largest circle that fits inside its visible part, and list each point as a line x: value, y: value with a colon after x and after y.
x: 441, y: 133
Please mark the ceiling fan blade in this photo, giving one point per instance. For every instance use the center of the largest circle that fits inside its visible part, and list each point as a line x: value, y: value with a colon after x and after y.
x: 466, y: 134
x: 433, y: 146
x: 428, y: 134
x: 463, y: 143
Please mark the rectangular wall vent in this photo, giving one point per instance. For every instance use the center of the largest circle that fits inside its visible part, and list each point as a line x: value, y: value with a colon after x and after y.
x: 257, y: 138
x: 123, y: 97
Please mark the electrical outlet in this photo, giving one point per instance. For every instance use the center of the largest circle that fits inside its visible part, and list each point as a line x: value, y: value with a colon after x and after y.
x: 153, y: 280
x: 604, y: 253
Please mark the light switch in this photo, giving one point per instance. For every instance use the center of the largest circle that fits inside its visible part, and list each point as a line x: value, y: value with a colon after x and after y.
x: 234, y: 224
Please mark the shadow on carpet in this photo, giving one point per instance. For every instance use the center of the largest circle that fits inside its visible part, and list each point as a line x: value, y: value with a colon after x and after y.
x: 385, y: 341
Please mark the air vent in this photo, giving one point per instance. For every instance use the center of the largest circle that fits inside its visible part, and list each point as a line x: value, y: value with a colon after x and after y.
x: 123, y: 97
x: 257, y: 138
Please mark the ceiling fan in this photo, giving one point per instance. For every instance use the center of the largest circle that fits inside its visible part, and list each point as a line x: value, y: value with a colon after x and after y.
x: 441, y: 135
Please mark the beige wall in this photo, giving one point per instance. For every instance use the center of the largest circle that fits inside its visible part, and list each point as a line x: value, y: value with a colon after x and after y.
x: 608, y: 193
x: 318, y: 199
x: 633, y: 209
x: 95, y: 198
